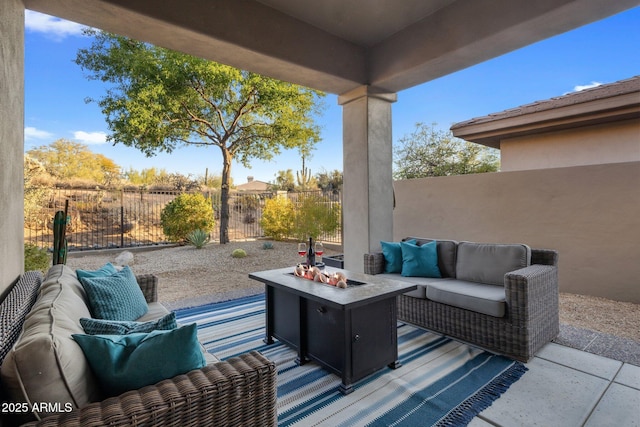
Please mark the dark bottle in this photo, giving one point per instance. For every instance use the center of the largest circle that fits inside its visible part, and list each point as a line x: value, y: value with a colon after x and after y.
x: 311, y: 254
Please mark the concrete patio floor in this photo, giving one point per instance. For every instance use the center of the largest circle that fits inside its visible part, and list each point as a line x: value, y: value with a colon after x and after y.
x: 568, y: 387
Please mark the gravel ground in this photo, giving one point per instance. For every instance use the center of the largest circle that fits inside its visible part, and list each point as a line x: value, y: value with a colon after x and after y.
x: 189, y: 277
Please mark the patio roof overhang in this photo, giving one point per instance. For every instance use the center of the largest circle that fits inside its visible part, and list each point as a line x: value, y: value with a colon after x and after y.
x: 603, y: 104
x: 337, y: 45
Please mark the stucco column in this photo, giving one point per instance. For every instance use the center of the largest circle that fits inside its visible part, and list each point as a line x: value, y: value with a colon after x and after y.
x: 11, y: 140
x: 367, y: 201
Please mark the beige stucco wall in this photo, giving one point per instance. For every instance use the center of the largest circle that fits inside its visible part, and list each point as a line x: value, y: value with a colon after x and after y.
x: 11, y: 140
x: 616, y: 142
x: 589, y: 214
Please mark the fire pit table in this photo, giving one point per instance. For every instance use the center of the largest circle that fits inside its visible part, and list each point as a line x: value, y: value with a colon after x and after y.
x: 351, y: 332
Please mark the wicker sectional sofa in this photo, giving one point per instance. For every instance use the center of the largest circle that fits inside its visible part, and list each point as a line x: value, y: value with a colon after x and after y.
x: 503, y: 298
x: 47, y: 381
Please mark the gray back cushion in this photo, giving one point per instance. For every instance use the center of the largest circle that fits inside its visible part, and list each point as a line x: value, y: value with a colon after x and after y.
x: 488, y: 262
x: 446, y: 254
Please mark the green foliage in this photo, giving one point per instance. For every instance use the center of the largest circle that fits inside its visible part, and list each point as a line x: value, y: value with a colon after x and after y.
x: 66, y: 160
x: 161, y: 99
x: 314, y: 216
x: 184, y: 214
x: 36, y: 258
x: 238, y: 253
x: 330, y: 181
x: 277, y: 218
x: 198, y: 238
x: 429, y: 152
x: 37, y: 189
x: 284, y: 181
x: 267, y: 245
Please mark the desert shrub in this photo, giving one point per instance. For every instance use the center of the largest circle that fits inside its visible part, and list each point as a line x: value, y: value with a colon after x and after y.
x: 277, y: 218
x: 184, y: 214
x: 314, y: 216
x: 267, y: 245
x: 36, y: 258
x: 198, y: 238
x: 238, y: 253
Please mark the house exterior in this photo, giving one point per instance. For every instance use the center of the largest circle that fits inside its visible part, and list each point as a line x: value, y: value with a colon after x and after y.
x: 595, y: 126
x: 254, y: 186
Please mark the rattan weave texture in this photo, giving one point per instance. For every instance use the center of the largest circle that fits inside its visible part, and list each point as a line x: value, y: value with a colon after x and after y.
x: 531, y: 319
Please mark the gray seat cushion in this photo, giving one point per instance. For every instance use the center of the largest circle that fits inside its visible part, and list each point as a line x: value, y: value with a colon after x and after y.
x: 422, y: 282
x: 488, y: 262
x: 478, y: 297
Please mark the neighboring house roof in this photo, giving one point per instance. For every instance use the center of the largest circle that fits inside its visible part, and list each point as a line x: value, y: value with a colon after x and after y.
x: 605, y: 103
x: 253, y: 186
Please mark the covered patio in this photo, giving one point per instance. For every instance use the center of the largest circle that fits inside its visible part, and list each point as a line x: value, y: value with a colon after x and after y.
x: 366, y: 55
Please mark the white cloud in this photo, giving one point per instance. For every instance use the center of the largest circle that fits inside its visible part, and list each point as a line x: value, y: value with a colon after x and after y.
x: 33, y: 133
x: 578, y: 88
x: 56, y: 28
x: 90, y: 137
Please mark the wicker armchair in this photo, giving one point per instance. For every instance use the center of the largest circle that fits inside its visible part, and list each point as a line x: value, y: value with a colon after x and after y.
x: 240, y: 391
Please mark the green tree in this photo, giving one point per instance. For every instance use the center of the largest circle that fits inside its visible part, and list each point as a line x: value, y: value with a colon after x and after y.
x: 330, y: 181
x: 431, y: 152
x: 284, y: 181
x: 66, y: 160
x: 161, y: 99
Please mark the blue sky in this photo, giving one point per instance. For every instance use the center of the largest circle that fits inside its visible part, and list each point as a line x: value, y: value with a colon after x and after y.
x: 55, y: 90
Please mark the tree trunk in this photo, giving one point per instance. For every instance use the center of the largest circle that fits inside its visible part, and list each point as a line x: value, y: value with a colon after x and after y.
x: 224, y: 196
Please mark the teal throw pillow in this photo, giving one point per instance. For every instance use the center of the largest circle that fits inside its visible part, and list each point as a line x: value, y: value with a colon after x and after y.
x: 106, y: 270
x: 115, y: 297
x: 116, y: 327
x: 393, y: 256
x: 420, y: 261
x: 129, y: 362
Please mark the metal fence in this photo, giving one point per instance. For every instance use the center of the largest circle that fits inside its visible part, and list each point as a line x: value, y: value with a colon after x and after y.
x: 103, y: 219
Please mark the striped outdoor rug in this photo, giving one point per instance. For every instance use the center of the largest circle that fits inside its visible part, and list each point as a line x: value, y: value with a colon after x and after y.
x: 441, y: 382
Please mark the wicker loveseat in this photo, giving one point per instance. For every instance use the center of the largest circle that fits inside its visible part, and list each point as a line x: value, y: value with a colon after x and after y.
x: 503, y: 298
x: 239, y: 391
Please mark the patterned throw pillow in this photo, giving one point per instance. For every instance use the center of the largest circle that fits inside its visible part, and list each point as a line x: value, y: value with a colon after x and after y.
x: 129, y: 362
x: 115, y: 297
x: 115, y: 327
x: 106, y: 270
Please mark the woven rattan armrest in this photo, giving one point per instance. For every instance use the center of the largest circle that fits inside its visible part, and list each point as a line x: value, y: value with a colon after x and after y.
x: 238, y: 392
x: 149, y: 285
x: 532, y: 294
x: 374, y: 263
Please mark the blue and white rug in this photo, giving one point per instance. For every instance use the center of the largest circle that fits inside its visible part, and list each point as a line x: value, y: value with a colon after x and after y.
x: 441, y: 382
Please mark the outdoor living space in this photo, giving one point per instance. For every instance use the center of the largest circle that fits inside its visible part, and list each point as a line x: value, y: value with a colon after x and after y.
x: 565, y: 385
x: 367, y: 58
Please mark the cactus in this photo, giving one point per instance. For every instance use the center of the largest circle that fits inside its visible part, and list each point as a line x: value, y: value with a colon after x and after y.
x: 239, y: 253
x: 303, y: 176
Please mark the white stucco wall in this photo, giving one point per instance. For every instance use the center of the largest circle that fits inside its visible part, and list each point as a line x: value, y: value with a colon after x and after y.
x: 589, y: 214
x: 11, y: 141
x: 616, y: 142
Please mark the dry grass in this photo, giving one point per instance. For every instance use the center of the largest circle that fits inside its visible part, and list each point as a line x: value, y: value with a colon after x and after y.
x: 190, y: 277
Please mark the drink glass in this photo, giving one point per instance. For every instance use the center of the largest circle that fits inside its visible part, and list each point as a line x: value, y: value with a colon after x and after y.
x: 319, y: 248
x: 302, y: 249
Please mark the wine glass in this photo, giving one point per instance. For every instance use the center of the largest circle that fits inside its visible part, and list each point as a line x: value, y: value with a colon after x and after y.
x: 302, y: 249
x: 319, y: 248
